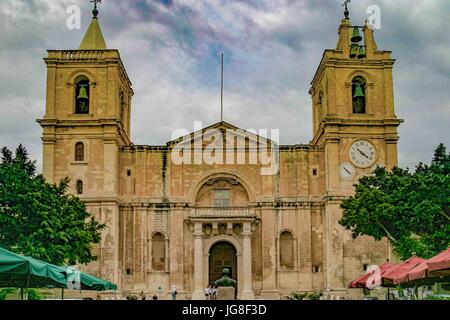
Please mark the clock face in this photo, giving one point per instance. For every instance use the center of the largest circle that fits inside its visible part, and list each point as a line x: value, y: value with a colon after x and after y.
x: 362, y: 154
x: 347, y: 170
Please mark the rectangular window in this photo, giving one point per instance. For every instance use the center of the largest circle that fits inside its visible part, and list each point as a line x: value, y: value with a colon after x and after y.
x: 222, y: 198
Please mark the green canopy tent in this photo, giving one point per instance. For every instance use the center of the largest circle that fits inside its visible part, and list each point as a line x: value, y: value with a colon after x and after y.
x: 18, y: 271
x: 84, y: 281
x: 89, y: 282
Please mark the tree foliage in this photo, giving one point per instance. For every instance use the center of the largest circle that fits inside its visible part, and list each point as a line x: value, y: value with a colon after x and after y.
x: 411, y: 209
x: 39, y: 219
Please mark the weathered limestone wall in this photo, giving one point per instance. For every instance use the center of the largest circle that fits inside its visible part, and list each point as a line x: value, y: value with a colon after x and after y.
x: 156, y: 182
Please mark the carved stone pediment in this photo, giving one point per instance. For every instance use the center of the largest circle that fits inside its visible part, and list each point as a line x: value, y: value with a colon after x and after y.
x: 218, y: 180
x: 222, y: 129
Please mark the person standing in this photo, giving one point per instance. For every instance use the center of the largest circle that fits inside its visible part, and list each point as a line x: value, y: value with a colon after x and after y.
x: 142, y: 295
x: 174, y: 293
x: 214, y: 293
x: 206, y: 291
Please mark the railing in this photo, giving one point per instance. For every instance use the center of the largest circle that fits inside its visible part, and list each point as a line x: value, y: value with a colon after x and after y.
x: 213, y: 212
x: 82, y: 54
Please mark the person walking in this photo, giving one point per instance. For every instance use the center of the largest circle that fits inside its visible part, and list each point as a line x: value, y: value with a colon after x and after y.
x: 206, y: 291
x: 214, y: 293
x: 210, y: 292
x: 174, y: 293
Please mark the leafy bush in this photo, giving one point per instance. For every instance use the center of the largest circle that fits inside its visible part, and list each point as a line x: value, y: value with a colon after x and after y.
x: 4, y: 293
x: 315, y: 295
x: 297, y: 296
x: 437, y: 297
x: 34, y: 294
x: 305, y: 295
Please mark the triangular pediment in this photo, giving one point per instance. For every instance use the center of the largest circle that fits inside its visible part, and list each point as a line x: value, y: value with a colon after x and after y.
x: 226, y: 131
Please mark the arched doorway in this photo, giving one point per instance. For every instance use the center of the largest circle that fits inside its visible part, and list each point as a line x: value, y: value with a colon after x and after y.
x: 222, y: 255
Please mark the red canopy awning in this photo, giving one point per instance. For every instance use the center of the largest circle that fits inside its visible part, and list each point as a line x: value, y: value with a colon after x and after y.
x: 399, y: 274
x: 432, y: 267
x: 368, y: 281
x: 439, y: 262
x: 419, y: 272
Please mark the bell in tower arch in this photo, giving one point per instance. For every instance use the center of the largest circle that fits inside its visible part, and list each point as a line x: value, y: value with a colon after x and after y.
x: 356, y: 36
x: 82, y: 98
x: 358, y: 91
x: 359, y: 98
x: 83, y: 95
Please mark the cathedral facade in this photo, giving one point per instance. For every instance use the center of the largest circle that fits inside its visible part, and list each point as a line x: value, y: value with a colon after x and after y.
x: 179, y: 223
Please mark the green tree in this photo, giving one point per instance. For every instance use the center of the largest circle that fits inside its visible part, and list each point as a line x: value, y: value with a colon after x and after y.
x: 411, y: 209
x: 39, y: 219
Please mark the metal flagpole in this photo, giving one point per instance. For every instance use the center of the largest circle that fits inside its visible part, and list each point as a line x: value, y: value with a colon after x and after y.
x: 221, y: 94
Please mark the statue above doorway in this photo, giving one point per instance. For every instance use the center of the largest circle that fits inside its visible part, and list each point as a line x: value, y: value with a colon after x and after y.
x: 225, y: 281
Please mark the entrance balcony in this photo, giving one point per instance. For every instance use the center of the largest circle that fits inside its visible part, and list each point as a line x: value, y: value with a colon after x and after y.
x: 222, y: 212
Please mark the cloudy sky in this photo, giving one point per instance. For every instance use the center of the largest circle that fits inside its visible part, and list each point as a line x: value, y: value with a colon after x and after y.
x: 171, y: 49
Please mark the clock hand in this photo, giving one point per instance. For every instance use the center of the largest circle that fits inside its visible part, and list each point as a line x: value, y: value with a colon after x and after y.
x: 347, y: 170
x: 363, y: 153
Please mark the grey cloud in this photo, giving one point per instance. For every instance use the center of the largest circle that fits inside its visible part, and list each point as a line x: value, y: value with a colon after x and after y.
x: 171, y: 50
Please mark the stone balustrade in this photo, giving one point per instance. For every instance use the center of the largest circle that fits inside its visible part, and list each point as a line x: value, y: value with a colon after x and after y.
x: 215, y: 212
x: 82, y: 55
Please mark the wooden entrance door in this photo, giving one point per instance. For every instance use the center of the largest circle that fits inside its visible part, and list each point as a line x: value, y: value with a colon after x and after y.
x: 222, y: 255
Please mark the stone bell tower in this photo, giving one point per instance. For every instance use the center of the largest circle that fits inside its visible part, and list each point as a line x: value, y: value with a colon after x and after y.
x: 355, y: 124
x: 86, y: 121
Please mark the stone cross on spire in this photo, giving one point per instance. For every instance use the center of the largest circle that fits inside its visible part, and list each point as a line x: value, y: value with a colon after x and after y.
x: 93, y: 39
x: 345, y: 4
x: 95, y: 11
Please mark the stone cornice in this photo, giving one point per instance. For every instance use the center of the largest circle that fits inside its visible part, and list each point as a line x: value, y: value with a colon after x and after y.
x: 333, y: 58
x: 337, y: 122
x: 254, y: 206
x: 113, y: 123
x: 109, y: 56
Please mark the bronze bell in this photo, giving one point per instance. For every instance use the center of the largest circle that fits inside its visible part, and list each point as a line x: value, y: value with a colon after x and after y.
x: 83, y: 93
x: 358, y: 91
x: 354, y: 50
x: 362, y: 52
x: 356, y: 37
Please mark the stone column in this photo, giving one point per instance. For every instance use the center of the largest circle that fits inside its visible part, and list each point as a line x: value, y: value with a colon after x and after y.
x: 247, y: 281
x: 109, y: 254
x: 269, y: 253
x: 198, y: 263
x: 176, y: 250
x: 48, y: 164
x: 304, y: 248
x: 166, y: 265
x: 140, y: 243
x: 334, y: 247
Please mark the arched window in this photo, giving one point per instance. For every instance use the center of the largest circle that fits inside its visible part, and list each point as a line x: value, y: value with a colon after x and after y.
x: 79, y: 151
x: 79, y: 187
x: 320, y: 105
x: 286, y: 250
x: 158, y: 252
x: 122, y: 105
x: 359, y: 95
x: 82, y: 95
x: 222, y: 198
